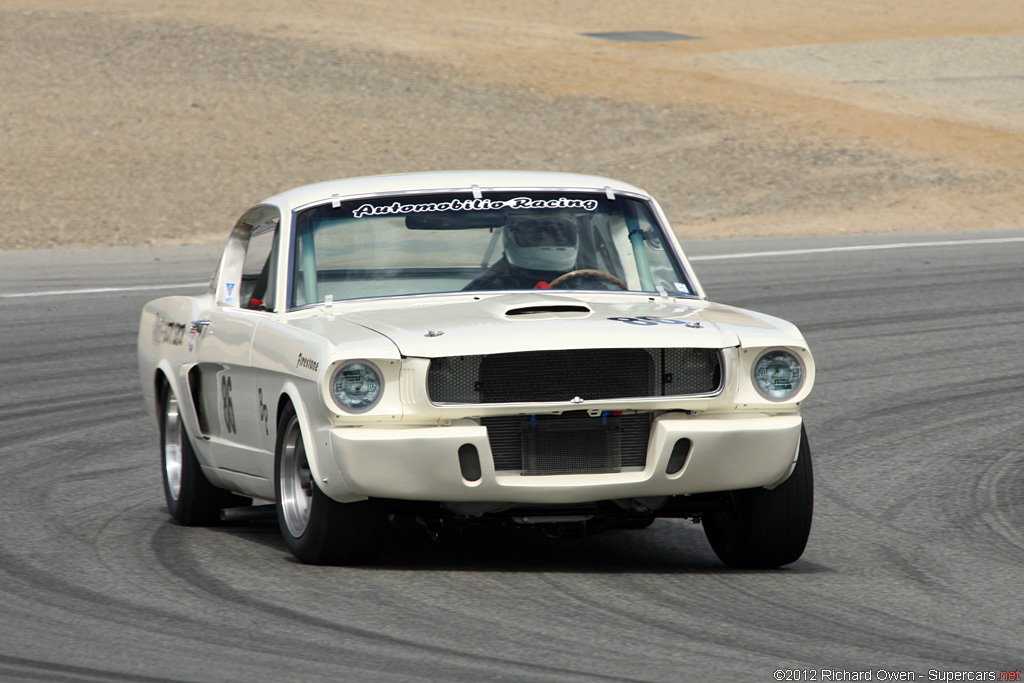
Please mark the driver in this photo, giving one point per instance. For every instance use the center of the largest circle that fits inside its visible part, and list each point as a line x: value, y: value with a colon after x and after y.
x: 538, y: 249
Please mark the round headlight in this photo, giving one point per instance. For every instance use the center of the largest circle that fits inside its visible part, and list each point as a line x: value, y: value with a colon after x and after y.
x: 356, y: 386
x: 778, y: 374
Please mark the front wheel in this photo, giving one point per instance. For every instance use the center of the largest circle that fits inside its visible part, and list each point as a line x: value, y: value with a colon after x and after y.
x: 315, y: 528
x: 191, y: 499
x: 762, y: 529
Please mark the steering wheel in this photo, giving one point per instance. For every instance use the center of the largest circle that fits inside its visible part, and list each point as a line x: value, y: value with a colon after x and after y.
x: 584, y: 273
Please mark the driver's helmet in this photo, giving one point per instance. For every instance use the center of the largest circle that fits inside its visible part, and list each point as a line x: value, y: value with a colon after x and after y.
x: 544, y: 241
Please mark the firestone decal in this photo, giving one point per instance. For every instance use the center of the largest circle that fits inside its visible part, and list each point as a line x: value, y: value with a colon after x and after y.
x: 307, y: 363
x: 397, y: 208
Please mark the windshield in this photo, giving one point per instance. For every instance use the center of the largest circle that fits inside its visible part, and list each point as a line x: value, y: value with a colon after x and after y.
x: 421, y: 244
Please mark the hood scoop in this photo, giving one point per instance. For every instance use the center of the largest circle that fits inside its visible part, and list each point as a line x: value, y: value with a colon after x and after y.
x: 557, y: 309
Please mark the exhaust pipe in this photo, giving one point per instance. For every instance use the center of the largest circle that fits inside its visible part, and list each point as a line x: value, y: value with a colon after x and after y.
x: 248, y: 513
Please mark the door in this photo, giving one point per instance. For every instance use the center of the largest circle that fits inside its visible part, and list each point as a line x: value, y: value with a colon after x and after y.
x: 232, y: 410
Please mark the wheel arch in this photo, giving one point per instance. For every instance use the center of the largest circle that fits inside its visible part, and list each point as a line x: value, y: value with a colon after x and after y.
x: 317, y: 442
x: 160, y: 382
x: 165, y: 378
x: 291, y: 398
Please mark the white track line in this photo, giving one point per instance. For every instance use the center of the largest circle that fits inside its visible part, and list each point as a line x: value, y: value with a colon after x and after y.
x: 710, y: 257
x: 863, y: 247
x: 103, y: 290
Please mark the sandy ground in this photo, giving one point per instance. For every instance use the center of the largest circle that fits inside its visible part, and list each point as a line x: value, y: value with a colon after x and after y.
x: 129, y: 122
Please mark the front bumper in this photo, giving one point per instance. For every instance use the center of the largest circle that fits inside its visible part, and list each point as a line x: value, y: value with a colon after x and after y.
x: 421, y: 463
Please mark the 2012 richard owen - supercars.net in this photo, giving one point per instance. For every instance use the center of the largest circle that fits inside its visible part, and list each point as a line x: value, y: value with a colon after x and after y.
x: 531, y: 349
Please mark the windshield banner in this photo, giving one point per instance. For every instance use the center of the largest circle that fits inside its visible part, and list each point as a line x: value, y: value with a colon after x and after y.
x: 398, y: 208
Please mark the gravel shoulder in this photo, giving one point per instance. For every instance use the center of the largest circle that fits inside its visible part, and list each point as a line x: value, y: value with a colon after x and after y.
x: 128, y: 123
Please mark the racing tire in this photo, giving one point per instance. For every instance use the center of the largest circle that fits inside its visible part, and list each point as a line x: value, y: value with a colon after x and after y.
x: 761, y: 528
x: 191, y: 499
x: 317, y: 529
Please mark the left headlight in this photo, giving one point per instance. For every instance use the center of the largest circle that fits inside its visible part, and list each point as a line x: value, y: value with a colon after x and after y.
x: 357, y: 386
x: 778, y: 374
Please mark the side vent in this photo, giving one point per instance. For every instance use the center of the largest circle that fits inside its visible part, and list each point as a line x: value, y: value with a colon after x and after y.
x: 469, y: 462
x: 195, y: 387
x: 680, y: 452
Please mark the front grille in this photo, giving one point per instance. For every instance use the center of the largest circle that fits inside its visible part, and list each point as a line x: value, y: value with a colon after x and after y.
x: 556, y: 376
x: 572, y: 443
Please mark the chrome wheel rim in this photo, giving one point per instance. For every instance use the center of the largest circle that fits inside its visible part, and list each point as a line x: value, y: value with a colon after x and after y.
x: 296, y: 480
x: 173, y: 435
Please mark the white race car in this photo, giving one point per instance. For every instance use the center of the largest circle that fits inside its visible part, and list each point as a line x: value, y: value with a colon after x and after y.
x: 528, y: 348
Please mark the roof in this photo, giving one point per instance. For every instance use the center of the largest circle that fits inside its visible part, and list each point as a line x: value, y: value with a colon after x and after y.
x: 447, y: 181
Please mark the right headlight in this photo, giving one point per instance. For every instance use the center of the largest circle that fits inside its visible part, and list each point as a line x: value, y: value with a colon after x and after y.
x: 357, y: 386
x: 778, y: 374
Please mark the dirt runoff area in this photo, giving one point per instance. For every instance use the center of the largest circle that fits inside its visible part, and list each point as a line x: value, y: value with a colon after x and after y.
x: 136, y: 122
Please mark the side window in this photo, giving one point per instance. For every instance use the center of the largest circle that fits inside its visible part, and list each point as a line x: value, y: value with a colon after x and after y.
x: 259, y: 269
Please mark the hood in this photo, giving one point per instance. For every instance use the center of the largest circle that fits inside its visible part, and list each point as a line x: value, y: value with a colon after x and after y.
x: 528, y: 321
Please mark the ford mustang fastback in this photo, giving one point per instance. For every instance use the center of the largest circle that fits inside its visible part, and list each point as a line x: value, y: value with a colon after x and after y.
x: 532, y: 349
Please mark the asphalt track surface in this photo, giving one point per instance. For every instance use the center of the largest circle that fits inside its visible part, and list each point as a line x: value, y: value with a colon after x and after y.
x: 913, y: 565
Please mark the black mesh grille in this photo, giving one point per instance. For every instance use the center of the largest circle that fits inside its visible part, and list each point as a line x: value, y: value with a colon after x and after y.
x: 591, y: 374
x: 680, y: 452
x: 572, y: 443
x: 469, y: 462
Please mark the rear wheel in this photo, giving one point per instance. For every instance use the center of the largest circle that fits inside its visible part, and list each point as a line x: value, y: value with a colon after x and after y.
x: 762, y: 529
x: 315, y: 528
x: 191, y: 499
